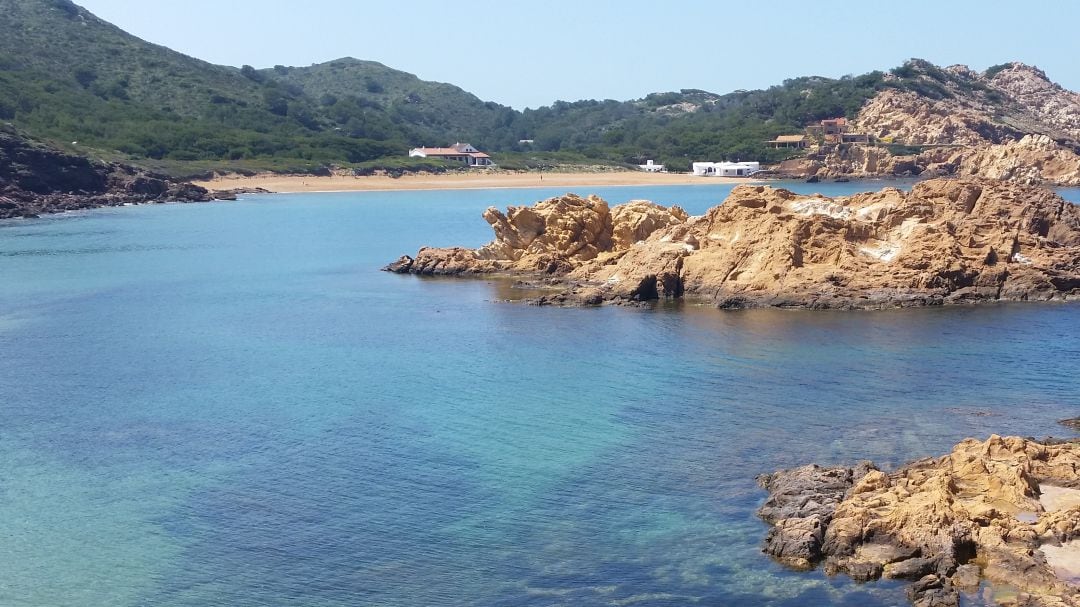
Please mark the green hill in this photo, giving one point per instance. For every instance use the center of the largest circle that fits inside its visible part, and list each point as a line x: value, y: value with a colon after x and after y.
x: 368, y: 99
x: 67, y: 76
x: 678, y: 127
x: 71, y: 76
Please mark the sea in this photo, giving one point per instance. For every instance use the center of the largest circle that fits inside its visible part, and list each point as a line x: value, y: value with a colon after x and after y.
x: 229, y: 404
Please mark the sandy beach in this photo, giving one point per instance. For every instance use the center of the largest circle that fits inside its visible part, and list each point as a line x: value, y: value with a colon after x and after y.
x: 455, y: 181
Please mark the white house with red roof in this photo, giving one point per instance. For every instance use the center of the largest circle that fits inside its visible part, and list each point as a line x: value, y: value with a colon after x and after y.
x: 460, y: 152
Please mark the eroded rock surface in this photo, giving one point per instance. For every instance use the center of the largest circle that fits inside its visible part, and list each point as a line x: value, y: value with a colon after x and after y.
x: 947, y: 241
x: 554, y: 236
x: 940, y: 522
x: 800, y: 507
x: 36, y: 179
x: 1011, y: 124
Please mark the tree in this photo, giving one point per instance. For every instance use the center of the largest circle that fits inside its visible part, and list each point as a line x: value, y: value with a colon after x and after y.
x: 276, y: 102
x: 85, y: 76
x: 252, y: 74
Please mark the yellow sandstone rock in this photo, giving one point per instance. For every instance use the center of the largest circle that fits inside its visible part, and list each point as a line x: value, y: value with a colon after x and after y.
x: 947, y: 241
x: 936, y: 520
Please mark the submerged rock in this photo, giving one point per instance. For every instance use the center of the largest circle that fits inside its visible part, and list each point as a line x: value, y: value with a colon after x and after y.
x: 942, y: 522
x: 945, y: 242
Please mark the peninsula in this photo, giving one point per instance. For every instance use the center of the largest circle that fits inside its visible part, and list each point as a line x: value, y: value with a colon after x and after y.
x: 947, y: 241
x: 36, y: 178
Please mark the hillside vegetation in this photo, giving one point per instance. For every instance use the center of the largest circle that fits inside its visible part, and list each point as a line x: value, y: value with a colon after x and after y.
x: 67, y: 76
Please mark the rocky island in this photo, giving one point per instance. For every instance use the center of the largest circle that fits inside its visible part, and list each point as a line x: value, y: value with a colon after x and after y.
x: 947, y: 241
x: 1006, y: 510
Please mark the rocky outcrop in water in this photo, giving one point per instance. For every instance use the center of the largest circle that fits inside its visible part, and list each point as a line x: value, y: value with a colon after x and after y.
x: 36, y: 179
x: 945, y: 242
x: 942, y: 523
x: 552, y: 237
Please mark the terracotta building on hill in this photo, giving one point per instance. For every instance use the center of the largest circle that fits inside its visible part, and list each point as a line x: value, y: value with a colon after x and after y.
x: 788, y: 141
x: 459, y: 152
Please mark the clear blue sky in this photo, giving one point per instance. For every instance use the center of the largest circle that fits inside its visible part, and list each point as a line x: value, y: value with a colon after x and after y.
x: 528, y: 54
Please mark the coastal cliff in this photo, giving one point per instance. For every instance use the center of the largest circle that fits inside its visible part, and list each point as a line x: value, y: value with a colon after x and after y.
x: 36, y: 179
x: 1006, y: 510
x: 1010, y: 123
x: 948, y: 241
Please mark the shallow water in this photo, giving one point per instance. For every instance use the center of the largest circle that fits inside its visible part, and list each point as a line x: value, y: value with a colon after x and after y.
x: 227, y: 404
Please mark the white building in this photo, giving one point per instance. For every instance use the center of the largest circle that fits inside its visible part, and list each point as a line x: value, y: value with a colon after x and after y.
x: 651, y: 167
x: 460, y: 152
x: 726, y: 169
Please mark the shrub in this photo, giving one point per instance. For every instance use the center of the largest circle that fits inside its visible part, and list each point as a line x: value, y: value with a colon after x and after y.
x: 994, y: 70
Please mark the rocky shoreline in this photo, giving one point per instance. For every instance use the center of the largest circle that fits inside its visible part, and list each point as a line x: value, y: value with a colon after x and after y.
x: 36, y: 179
x: 1006, y: 510
x: 1031, y: 160
x: 1012, y: 124
x: 948, y: 241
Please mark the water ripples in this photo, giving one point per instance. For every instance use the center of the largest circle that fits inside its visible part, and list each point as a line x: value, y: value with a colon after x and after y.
x: 273, y: 422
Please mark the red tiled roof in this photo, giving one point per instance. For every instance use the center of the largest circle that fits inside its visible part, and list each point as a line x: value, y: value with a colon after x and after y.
x: 440, y: 151
x: 450, y: 152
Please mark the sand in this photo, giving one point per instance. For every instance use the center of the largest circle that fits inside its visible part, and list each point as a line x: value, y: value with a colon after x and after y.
x: 1055, y: 498
x: 456, y: 181
x: 1065, y: 560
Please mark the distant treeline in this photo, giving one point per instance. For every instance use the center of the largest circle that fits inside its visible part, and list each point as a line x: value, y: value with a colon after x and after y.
x: 67, y: 76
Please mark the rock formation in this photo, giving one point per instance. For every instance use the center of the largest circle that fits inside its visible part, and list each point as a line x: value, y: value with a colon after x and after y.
x: 553, y: 237
x: 943, y: 523
x: 947, y: 241
x: 1012, y: 124
x: 37, y: 179
x: 1032, y: 159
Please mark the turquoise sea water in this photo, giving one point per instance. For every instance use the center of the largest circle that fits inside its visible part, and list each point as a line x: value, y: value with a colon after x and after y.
x: 227, y: 404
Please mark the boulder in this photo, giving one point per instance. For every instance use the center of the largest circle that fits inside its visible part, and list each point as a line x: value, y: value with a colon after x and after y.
x: 401, y: 266
x: 945, y: 522
x: 636, y: 220
x: 800, y: 506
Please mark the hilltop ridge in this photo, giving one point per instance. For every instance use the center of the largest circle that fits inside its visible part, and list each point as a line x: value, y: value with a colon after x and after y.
x: 69, y: 76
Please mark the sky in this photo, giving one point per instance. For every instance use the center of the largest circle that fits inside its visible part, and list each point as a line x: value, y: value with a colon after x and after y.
x: 529, y: 54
